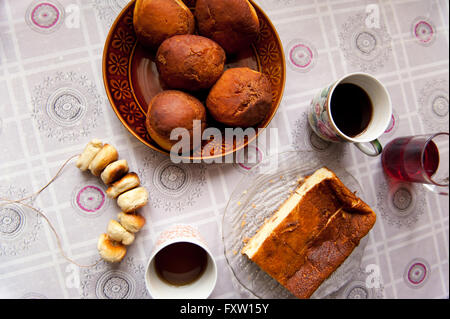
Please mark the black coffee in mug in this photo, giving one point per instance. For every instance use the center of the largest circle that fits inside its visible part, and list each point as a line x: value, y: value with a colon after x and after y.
x: 351, y: 109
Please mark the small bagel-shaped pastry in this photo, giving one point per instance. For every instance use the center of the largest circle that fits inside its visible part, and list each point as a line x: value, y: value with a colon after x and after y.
x: 129, y: 181
x: 133, y: 199
x: 131, y: 222
x: 107, y: 155
x: 118, y: 233
x: 114, y: 171
x: 90, y: 151
x: 110, y: 250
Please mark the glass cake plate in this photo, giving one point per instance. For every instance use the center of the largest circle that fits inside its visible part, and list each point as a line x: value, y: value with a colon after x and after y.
x: 257, y: 196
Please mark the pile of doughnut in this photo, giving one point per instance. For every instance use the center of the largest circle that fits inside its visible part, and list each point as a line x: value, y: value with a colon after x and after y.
x: 191, y: 50
x: 102, y: 160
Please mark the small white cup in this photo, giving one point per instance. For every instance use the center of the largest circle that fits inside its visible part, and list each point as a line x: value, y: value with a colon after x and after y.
x: 200, y: 288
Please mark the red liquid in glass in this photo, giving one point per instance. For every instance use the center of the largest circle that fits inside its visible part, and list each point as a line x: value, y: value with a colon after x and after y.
x: 402, y: 159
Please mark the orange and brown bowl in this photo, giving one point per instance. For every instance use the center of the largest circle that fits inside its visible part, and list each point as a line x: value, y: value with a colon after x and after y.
x: 131, y: 79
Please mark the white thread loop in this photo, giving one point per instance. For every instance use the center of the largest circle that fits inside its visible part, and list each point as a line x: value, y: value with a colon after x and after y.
x: 58, y: 239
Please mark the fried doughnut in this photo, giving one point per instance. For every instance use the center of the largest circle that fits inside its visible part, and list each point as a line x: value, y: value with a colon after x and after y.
x: 157, y: 20
x: 233, y: 24
x: 190, y: 62
x: 241, y: 98
x: 173, y: 109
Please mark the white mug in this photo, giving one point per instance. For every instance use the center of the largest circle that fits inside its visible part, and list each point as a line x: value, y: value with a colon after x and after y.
x: 321, y: 120
x: 201, y: 288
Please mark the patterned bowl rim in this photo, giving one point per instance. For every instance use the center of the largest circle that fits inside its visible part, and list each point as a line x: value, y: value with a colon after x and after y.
x: 222, y: 154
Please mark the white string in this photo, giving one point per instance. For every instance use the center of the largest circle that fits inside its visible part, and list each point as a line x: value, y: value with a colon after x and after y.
x: 58, y: 239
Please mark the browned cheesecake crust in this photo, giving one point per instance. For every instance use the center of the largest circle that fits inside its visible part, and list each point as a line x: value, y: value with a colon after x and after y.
x: 315, y: 237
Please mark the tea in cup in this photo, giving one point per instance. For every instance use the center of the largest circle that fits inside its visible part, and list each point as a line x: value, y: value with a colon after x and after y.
x: 181, y: 266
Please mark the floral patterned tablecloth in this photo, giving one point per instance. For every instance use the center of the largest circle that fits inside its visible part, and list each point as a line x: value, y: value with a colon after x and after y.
x: 52, y: 101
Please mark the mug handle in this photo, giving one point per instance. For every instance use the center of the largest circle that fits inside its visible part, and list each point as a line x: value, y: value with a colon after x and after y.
x: 436, y: 189
x: 374, y: 151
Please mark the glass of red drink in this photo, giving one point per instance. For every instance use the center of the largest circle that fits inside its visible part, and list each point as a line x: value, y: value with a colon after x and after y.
x: 418, y: 159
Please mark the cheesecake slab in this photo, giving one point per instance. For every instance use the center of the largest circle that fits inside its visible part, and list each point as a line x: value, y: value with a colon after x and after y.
x: 311, y: 234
